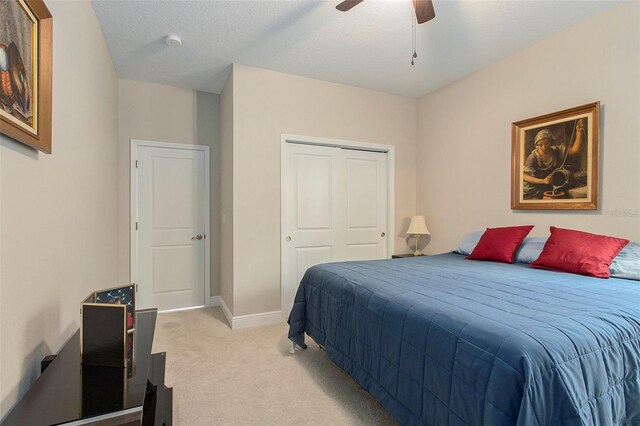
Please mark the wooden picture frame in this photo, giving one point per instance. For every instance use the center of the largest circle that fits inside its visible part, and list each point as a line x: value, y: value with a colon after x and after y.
x: 26, y: 59
x: 555, y: 160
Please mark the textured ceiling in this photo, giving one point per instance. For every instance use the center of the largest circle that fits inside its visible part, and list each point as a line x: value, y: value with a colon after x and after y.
x: 369, y: 46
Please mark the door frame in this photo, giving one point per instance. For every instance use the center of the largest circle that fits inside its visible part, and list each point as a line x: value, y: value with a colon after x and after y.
x: 133, y: 208
x: 336, y: 143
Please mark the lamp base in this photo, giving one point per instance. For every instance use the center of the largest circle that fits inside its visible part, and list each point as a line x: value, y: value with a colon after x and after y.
x: 417, y: 252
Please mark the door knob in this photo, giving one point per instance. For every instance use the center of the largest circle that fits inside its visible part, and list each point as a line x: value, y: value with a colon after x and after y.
x: 288, y: 238
x: 383, y: 234
x: 197, y: 237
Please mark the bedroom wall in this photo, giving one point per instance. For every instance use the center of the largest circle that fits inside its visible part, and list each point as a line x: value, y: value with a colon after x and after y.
x: 157, y: 112
x: 59, y: 211
x: 267, y: 104
x: 208, y: 133
x: 226, y: 193
x: 464, y: 131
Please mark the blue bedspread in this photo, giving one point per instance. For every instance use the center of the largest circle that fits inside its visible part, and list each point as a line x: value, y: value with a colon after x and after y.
x: 441, y: 340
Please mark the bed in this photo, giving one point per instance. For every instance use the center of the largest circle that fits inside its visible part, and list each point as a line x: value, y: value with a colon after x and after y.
x: 442, y: 340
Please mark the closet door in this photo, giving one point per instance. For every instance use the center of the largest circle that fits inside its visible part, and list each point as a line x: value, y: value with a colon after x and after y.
x: 313, y: 223
x: 334, y: 209
x: 365, y: 184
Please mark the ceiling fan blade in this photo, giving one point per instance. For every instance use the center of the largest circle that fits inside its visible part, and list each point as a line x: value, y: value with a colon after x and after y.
x: 424, y: 10
x: 348, y: 4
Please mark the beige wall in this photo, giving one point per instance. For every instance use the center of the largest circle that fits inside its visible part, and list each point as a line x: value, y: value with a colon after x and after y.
x: 59, y: 211
x: 208, y: 133
x: 267, y: 104
x: 464, y: 146
x: 150, y: 112
x: 226, y: 193
x: 155, y: 112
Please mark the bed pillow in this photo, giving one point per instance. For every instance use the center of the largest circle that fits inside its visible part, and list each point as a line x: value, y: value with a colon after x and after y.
x: 579, y: 252
x: 500, y: 244
x: 530, y: 249
x: 469, y: 243
x: 627, y: 263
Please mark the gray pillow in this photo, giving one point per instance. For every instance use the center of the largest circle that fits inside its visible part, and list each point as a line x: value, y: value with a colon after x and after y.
x: 627, y: 263
x: 469, y: 243
x: 530, y: 249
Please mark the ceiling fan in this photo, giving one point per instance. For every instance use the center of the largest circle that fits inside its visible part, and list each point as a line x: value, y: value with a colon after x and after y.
x: 424, y: 8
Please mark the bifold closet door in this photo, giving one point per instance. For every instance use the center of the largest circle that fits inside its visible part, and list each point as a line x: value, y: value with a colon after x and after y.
x: 335, y: 209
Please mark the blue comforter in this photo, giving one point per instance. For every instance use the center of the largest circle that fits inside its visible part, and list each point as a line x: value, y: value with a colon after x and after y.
x: 441, y: 340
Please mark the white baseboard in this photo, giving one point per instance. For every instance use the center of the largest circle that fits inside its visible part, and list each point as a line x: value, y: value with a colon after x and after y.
x: 255, y: 320
x: 226, y: 312
x: 247, y: 321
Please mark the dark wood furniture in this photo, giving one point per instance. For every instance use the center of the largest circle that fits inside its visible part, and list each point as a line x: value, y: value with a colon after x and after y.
x: 68, y: 392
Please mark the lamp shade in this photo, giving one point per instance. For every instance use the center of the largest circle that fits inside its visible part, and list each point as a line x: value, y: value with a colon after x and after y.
x: 418, y: 226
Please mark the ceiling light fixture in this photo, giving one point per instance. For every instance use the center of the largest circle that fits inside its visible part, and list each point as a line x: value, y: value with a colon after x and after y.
x: 173, y: 41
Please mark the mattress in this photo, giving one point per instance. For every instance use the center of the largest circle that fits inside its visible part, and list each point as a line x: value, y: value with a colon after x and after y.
x: 442, y: 340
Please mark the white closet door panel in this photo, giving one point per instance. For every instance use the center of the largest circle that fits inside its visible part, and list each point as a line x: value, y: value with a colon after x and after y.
x: 362, y: 192
x: 307, y: 257
x: 312, y: 226
x: 362, y: 251
x: 366, y: 204
x: 314, y: 192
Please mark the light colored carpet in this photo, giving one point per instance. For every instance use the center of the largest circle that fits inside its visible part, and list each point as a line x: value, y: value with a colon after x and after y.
x: 247, y: 377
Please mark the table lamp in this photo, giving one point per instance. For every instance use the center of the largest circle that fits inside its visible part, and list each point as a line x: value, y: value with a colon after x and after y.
x: 417, y: 227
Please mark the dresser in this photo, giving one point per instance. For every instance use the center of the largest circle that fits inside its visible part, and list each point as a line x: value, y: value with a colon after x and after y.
x: 69, y: 393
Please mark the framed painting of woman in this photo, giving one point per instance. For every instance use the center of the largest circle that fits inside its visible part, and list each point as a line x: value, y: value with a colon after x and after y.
x: 555, y: 160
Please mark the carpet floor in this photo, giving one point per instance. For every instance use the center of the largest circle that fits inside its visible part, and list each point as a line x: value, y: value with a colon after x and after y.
x: 248, y: 377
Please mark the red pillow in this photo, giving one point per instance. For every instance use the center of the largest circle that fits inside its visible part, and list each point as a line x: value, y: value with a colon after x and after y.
x: 500, y: 244
x: 579, y: 252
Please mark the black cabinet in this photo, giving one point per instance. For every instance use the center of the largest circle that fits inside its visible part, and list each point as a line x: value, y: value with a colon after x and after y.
x: 163, y: 412
x: 69, y: 392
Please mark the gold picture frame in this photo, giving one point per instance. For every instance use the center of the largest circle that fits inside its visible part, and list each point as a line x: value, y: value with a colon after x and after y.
x: 555, y: 160
x: 26, y: 53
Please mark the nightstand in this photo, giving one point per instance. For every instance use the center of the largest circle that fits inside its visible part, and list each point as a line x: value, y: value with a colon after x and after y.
x: 400, y: 256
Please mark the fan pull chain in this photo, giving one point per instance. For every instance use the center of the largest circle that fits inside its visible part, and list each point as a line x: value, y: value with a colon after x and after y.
x: 413, y: 40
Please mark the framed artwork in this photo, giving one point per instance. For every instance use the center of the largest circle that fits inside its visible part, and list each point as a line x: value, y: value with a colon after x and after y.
x: 555, y: 160
x: 26, y: 38
x: 99, y: 312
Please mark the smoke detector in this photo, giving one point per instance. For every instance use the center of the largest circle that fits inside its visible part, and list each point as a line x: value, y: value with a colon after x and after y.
x: 173, y: 41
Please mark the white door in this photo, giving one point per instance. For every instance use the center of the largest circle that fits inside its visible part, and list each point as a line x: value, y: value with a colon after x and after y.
x: 171, y: 227
x: 312, y: 213
x: 365, y: 183
x: 335, y: 208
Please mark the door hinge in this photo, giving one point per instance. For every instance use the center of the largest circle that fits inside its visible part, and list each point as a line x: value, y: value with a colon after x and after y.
x: 136, y: 286
x: 136, y: 226
x: 136, y: 164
